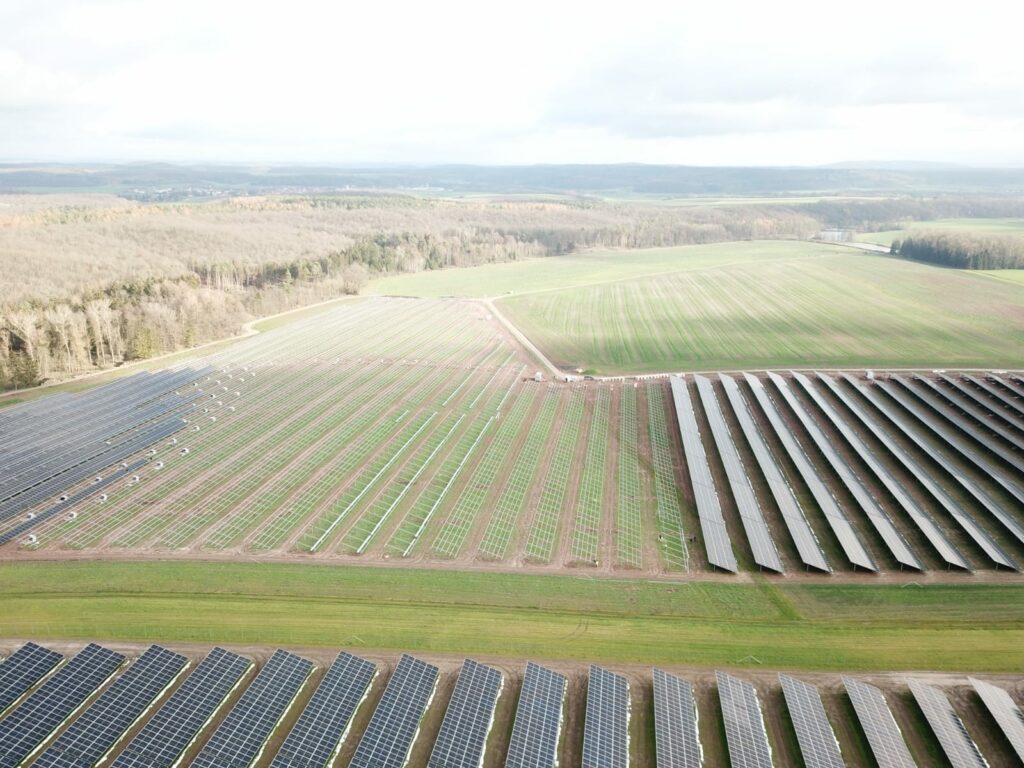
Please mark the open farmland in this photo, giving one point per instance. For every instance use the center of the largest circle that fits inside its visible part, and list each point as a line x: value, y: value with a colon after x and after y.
x: 745, y: 305
x: 951, y: 226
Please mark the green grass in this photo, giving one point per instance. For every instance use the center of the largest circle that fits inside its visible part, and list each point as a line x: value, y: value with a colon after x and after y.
x: 974, y: 226
x: 745, y: 305
x: 956, y: 628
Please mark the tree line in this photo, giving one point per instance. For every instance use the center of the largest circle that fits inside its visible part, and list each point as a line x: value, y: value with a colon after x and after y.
x: 93, y: 281
x: 963, y: 250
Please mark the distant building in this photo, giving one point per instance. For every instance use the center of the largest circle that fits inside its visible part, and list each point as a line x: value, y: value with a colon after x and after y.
x: 835, y: 235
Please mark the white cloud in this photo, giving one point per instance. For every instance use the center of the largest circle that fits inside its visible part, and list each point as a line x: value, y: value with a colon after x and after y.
x: 726, y: 83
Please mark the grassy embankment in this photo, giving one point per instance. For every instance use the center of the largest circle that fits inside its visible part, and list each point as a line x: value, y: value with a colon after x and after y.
x: 956, y: 628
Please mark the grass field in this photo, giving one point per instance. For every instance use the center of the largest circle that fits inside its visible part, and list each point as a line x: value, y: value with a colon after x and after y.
x: 974, y: 226
x: 745, y: 305
x: 964, y: 629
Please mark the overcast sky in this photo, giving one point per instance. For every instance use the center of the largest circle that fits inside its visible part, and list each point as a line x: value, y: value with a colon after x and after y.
x: 705, y: 83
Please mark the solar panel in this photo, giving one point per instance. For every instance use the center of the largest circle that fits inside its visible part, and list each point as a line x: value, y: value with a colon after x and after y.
x: 240, y: 738
x: 949, y: 729
x: 321, y: 729
x: 937, y: 400
x: 938, y: 453
x: 912, y: 401
x: 818, y: 744
x: 942, y: 545
x: 923, y: 476
x: 177, y: 724
x: 22, y: 670
x: 984, y: 408
x: 848, y: 539
x: 796, y: 523
x: 392, y: 729
x: 676, y: 738
x: 538, y: 725
x: 108, y: 719
x: 745, y: 733
x: 880, y: 727
x: 1004, y: 396
x: 1005, y: 712
x: 24, y: 730
x: 881, y: 522
x: 606, y: 729
x: 761, y: 545
x: 468, y: 719
x: 709, y: 509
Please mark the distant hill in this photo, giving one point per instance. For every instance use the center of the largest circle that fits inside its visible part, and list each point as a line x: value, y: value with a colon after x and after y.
x: 165, y: 181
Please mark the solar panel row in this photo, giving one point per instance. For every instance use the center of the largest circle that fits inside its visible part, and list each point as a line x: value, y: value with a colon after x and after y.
x: 818, y: 744
x: 942, y: 545
x: 108, y: 719
x: 848, y: 539
x: 883, y: 733
x: 25, y: 729
x: 676, y: 736
x: 467, y: 721
x: 182, y: 718
x: 986, y: 411
x: 745, y: 733
x: 1005, y: 712
x: 318, y: 734
x: 877, y: 517
x: 709, y: 508
x: 960, y: 749
x: 538, y: 723
x: 942, y: 457
x: 912, y: 401
x: 390, y: 734
x: 924, y: 477
x: 761, y: 545
x: 796, y: 523
x: 606, y: 727
x: 241, y: 737
x: 22, y: 670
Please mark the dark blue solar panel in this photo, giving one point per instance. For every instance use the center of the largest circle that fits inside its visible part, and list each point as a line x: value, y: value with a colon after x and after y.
x: 22, y: 670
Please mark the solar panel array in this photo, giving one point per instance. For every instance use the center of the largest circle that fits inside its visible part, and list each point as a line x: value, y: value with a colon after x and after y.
x: 949, y: 729
x: 985, y: 410
x: 538, y: 724
x: 745, y: 732
x: 53, y: 445
x: 179, y: 721
x: 761, y: 545
x: 25, y: 729
x: 881, y: 522
x: 709, y: 508
x: 818, y: 745
x: 606, y: 728
x: 392, y: 729
x: 940, y: 456
x: 1004, y: 395
x: 110, y: 717
x: 676, y: 736
x: 880, y: 727
x: 22, y: 670
x: 907, y: 397
x: 467, y: 721
x: 848, y: 539
x: 1005, y: 712
x: 924, y: 477
x: 241, y: 737
x: 935, y: 398
x: 321, y: 728
x: 796, y: 523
